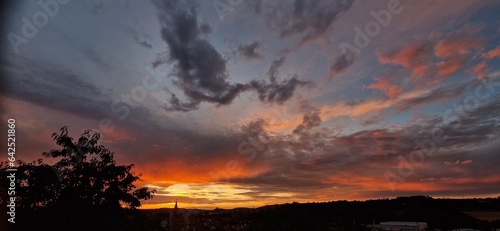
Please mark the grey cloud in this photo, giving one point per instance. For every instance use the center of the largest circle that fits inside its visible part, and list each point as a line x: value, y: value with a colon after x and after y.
x: 200, y: 70
x: 297, y: 165
x: 341, y: 63
x: 45, y: 84
x: 308, y: 19
x: 99, y: 59
x: 282, y: 179
x: 205, y: 28
x: 371, y: 120
x: 177, y: 105
x: 301, y: 164
x: 441, y: 93
x: 273, y: 69
x: 250, y: 51
x: 140, y: 38
x: 254, y: 128
x: 275, y: 90
x: 309, y: 121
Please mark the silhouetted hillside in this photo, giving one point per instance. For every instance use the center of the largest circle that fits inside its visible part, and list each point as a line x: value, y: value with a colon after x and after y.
x: 443, y: 214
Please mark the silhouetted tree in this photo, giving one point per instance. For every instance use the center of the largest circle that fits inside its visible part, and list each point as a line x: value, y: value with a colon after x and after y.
x: 84, y: 188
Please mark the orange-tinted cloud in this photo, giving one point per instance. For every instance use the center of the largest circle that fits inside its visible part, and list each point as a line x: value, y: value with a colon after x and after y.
x: 394, y: 91
x: 369, y: 107
x: 414, y: 57
x: 384, y: 84
x: 479, y: 70
x: 458, y: 162
x: 452, y: 51
x: 457, y: 46
x: 492, y: 53
x: 448, y: 67
x: 466, y: 162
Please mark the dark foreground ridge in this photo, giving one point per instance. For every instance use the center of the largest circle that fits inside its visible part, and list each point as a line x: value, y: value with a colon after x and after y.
x: 439, y: 214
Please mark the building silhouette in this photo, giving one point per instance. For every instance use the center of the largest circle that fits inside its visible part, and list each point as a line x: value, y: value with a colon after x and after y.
x: 178, y: 219
x: 399, y: 226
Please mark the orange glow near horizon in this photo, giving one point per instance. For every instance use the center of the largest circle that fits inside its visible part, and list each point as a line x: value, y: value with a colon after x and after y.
x: 228, y: 196
x: 256, y: 204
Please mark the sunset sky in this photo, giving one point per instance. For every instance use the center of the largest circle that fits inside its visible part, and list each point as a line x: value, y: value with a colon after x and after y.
x: 245, y: 103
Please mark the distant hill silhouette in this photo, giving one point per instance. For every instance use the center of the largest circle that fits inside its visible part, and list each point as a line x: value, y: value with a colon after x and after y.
x: 443, y: 214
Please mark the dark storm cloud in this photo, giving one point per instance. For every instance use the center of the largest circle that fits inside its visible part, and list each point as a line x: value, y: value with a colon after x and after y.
x: 45, y: 84
x: 319, y: 158
x: 200, y: 70
x: 275, y: 90
x: 52, y: 86
x: 272, y: 72
x: 461, y: 128
x: 341, y: 63
x: 284, y: 179
x: 177, y: 105
x: 297, y: 162
x: 309, y: 121
x: 278, y: 92
x: 250, y: 51
x: 205, y: 28
x: 308, y: 19
x: 48, y: 85
x: 470, y: 127
x: 301, y: 164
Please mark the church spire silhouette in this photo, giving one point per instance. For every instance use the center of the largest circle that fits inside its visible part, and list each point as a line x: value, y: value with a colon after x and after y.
x: 177, y: 221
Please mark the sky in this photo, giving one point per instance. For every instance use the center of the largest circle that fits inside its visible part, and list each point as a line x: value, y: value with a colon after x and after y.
x: 245, y: 103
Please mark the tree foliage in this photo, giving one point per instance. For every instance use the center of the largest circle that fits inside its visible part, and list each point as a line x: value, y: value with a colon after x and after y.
x: 84, y: 179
